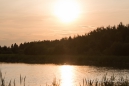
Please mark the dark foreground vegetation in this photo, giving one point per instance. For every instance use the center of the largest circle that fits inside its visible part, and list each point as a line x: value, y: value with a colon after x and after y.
x: 104, y: 46
x: 112, y: 81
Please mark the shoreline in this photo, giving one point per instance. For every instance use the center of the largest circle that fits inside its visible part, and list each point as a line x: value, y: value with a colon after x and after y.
x: 121, y: 62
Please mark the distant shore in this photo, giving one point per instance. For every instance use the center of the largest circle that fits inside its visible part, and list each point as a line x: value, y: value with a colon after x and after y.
x: 103, y: 61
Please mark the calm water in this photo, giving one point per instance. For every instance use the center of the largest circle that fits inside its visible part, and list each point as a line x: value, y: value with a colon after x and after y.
x: 67, y: 75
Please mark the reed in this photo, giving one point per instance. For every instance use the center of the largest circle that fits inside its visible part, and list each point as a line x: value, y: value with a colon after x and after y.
x: 111, y: 81
x: 2, y: 81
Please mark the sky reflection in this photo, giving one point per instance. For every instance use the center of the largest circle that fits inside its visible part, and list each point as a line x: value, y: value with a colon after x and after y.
x: 67, y: 75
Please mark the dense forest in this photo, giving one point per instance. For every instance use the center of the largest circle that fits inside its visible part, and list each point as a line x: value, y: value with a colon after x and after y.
x: 111, y: 40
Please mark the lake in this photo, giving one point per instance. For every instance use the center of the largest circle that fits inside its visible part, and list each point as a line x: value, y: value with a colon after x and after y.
x: 67, y: 75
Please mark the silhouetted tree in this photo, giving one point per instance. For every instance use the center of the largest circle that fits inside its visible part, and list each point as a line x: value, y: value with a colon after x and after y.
x: 14, y: 48
x: 101, y: 41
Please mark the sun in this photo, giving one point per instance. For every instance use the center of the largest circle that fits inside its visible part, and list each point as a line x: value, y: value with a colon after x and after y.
x: 67, y: 10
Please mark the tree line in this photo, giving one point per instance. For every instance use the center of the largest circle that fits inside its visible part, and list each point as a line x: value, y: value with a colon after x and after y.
x: 110, y: 40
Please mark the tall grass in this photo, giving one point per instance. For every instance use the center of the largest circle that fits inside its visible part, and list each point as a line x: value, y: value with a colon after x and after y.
x: 111, y: 81
x: 2, y: 81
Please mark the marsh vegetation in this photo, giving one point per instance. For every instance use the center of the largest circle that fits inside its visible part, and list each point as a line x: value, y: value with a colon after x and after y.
x: 112, y: 81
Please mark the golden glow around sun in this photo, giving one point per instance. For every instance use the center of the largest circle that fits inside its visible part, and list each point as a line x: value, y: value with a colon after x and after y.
x: 67, y: 10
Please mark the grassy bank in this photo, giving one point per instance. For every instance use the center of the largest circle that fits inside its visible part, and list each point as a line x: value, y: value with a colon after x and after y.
x: 109, y: 61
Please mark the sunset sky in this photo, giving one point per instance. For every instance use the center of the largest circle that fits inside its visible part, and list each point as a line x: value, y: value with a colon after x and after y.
x: 33, y: 20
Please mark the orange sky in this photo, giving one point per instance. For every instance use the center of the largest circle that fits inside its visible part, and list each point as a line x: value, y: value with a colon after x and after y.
x: 33, y: 20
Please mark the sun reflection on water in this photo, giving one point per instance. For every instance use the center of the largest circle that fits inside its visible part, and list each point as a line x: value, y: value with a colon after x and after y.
x: 67, y: 75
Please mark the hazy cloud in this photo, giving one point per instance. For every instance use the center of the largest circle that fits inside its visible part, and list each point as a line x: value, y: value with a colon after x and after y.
x: 29, y: 20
